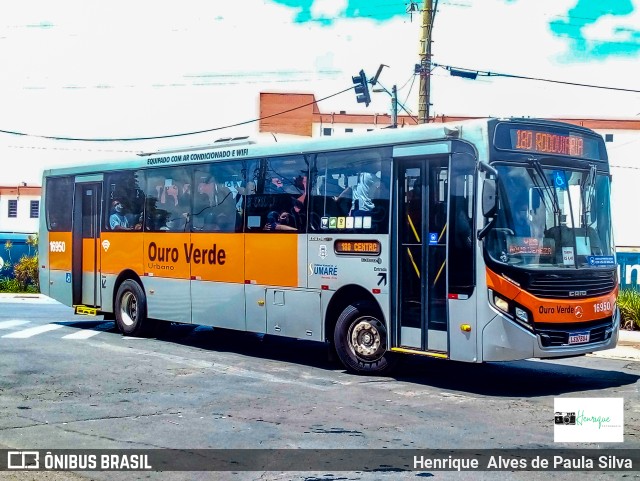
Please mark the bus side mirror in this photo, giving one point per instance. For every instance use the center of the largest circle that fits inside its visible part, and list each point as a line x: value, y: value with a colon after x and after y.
x: 489, y: 200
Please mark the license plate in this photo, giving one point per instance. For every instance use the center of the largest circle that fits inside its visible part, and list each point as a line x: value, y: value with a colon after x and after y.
x: 579, y: 337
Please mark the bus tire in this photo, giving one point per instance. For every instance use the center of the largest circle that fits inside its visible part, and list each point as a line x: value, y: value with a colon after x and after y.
x: 360, y: 340
x: 131, y: 309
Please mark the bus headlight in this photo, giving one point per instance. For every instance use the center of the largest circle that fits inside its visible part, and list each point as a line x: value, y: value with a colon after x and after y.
x: 501, y: 303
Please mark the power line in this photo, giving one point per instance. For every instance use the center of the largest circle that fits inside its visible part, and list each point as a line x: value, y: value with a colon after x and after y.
x: 400, y: 104
x: 413, y: 79
x: 182, y: 134
x: 471, y: 74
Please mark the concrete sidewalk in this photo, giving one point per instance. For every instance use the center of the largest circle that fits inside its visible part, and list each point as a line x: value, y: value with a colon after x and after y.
x: 628, y: 347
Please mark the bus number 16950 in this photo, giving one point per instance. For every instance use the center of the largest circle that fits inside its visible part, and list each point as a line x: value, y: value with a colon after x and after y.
x: 602, y: 306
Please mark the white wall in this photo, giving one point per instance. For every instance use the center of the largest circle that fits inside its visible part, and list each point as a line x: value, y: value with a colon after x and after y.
x: 625, y: 186
x: 23, y: 223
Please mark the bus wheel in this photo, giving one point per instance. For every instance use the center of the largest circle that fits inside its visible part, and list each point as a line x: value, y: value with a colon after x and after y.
x: 131, y: 309
x: 360, y: 340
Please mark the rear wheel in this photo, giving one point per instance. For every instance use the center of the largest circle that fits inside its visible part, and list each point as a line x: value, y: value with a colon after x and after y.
x: 131, y: 309
x: 360, y: 340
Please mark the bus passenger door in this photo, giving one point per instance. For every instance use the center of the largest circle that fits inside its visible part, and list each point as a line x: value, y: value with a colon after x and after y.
x: 422, y: 275
x: 86, y: 250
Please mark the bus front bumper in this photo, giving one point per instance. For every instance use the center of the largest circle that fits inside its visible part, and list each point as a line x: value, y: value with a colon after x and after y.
x: 505, y: 340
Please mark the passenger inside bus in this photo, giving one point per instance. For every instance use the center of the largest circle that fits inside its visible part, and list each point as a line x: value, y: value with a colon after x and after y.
x: 283, y: 221
x: 119, y: 220
x: 342, y: 196
x: 170, y: 194
x: 363, y: 194
x: 218, y: 212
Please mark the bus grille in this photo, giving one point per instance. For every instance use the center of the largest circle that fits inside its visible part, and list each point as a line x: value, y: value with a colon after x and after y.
x: 558, y: 286
x: 555, y: 335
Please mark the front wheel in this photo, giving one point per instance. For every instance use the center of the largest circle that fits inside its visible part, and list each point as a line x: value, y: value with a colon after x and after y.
x: 131, y: 309
x: 361, y: 340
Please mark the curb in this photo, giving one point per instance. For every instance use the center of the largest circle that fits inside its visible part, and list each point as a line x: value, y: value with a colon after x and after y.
x: 628, y: 347
x: 19, y: 295
x: 629, y: 337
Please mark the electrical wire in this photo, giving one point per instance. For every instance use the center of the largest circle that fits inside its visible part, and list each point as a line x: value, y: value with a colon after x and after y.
x: 413, y: 80
x: 538, y: 79
x: 413, y: 76
x: 182, y: 134
x: 400, y: 104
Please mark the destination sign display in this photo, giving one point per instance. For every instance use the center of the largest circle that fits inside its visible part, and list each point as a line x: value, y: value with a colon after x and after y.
x: 548, y: 140
x: 357, y: 247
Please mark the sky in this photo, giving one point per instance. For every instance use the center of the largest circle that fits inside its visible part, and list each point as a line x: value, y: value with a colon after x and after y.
x: 129, y: 69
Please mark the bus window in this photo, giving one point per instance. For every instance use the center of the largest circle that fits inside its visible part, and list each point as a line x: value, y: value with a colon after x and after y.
x: 216, y: 205
x: 168, y: 199
x: 59, y: 192
x: 280, y: 200
x: 125, y: 201
x: 461, y: 272
x: 350, y: 191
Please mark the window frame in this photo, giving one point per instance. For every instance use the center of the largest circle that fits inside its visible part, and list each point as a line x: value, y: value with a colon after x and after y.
x: 12, y: 210
x: 34, y: 208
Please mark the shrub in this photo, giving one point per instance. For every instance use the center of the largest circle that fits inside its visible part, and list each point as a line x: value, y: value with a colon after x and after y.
x: 9, y: 285
x: 629, y: 304
x: 26, y: 272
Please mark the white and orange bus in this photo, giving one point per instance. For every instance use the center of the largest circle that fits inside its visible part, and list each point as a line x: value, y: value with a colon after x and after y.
x: 476, y: 241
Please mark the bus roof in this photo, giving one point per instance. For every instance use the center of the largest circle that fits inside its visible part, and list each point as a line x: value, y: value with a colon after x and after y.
x: 243, y: 148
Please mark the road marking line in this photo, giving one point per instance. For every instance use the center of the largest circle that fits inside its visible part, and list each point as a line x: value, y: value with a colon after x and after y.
x: 33, y: 331
x: 87, y: 333
x: 12, y: 323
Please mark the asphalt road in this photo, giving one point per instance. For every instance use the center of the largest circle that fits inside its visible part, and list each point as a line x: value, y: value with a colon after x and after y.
x: 72, y: 382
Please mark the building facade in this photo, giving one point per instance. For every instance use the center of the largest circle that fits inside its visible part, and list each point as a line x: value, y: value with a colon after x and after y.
x: 19, y: 209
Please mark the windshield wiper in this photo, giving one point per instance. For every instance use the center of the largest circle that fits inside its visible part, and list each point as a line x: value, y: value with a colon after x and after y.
x: 588, y: 193
x: 535, y: 163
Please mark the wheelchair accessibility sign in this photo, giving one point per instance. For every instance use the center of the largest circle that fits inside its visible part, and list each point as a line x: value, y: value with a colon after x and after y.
x: 68, y: 277
x: 560, y: 179
x: 433, y: 238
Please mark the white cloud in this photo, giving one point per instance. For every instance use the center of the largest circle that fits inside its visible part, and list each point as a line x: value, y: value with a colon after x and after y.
x: 149, y: 68
x: 613, y: 28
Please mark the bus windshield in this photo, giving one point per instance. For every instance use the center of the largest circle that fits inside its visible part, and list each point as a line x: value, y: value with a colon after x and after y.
x: 552, y: 217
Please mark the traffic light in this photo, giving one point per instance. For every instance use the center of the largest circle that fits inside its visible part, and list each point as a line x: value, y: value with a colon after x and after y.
x: 362, y: 89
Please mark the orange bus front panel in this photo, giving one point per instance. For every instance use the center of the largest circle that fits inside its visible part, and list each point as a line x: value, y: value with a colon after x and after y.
x: 554, y: 310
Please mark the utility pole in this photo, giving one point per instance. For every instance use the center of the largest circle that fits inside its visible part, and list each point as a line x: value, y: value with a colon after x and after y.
x: 394, y: 106
x: 393, y: 94
x: 425, y: 62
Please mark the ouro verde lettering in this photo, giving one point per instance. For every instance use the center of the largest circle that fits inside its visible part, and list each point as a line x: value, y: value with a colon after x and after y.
x: 163, y: 254
x: 212, y: 256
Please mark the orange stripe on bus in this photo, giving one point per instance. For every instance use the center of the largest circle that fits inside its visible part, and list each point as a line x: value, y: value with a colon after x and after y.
x: 272, y: 259
x: 554, y: 310
x: 60, y: 251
